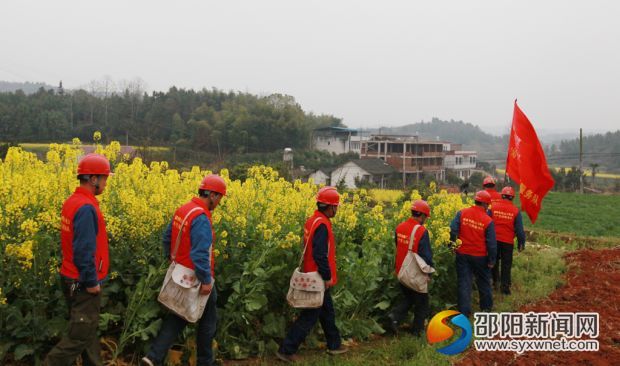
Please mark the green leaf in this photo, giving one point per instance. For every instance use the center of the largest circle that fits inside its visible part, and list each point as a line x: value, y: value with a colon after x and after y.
x: 151, y: 330
x: 255, y: 302
x: 4, y: 349
x: 383, y: 305
x: 22, y: 351
x: 106, y: 318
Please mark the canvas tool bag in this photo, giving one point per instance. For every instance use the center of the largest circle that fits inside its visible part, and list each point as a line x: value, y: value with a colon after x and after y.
x: 414, y: 273
x: 306, y: 289
x: 180, y: 292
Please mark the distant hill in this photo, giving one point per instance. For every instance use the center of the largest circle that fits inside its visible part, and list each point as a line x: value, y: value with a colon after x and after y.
x: 27, y: 87
x: 472, y: 137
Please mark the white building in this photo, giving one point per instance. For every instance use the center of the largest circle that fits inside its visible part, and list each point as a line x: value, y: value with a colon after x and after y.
x: 337, y: 140
x: 461, y: 162
x: 321, y: 176
x: 364, y: 170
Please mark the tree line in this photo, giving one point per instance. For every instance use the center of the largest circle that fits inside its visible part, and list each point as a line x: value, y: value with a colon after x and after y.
x: 212, y: 120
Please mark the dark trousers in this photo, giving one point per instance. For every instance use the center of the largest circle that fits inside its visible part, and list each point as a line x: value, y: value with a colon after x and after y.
x: 504, y: 259
x: 306, y: 321
x: 466, y: 266
x: 81, y: 338
x: 173, y: 326
x: 419, y: 301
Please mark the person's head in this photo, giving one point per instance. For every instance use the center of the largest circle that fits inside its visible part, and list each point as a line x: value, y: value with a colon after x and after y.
x: 482, y: 198
x: 211, y: 190
x: 327, y: 201
x: 93, y: 171
x: 420, y: 210
x: 508, y: 193
x: 488, y: 182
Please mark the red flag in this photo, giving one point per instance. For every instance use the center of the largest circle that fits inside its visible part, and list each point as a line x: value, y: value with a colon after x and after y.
x: 526, y: 164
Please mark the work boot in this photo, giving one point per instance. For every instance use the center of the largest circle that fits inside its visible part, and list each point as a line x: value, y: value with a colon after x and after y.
x: 287, y: 358
x: 338, y: 351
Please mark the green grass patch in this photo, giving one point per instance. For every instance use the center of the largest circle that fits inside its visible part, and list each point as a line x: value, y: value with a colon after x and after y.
x: 585, y: 215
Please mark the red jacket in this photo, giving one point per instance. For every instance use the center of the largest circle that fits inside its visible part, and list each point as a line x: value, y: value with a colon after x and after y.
x: 101, y: 259
x: 474, y: 223
x: 185, y: 247
x: 495, y: 195
x: 504, y: 215
x: 403, y: 232
x: 310, y: 227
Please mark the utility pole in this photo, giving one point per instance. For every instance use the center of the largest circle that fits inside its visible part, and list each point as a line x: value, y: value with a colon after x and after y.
x: 581, y: 160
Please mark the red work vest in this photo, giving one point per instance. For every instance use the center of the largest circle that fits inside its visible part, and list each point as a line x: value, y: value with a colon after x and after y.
x: 312, y: 224
x: 495, y: 195
x: 403, y: 232
x: 504, y: 216
x: 474, y: 222
x: 79, y: 198
x: 183, y: 253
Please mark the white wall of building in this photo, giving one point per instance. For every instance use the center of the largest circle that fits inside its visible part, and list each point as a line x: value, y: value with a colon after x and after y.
x: 348, y: 171
x: 338, y: 145
x: 319, y: 177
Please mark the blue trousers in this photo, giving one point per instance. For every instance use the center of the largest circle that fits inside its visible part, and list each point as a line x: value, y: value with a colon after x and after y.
x: 173, y: 326
x: 306, y: 321
x: 466, y: 266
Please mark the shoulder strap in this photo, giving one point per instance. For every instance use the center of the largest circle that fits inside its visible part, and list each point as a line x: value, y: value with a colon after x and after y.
x: 178, y: 239
x: 303, y: 253
x: 411, y: 238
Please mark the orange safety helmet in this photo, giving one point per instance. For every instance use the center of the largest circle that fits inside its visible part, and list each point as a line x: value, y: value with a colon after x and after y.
x: 94, y: 164
x: 328, y: 195
x: 488, y: 180
x: 422, y: 207
x: 214, y: 183
x: 508, y: 191
x: 483, y: 196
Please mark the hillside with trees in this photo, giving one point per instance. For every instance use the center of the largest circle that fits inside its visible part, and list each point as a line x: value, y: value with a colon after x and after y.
x: 601, y: 151
x: 205, y: 120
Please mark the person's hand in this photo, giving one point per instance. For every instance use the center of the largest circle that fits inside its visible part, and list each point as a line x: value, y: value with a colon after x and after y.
x: 205, y: 288
x: 491, y: 265
x: 521, y: 247
x: 94, y: 290
x: 329, y: 283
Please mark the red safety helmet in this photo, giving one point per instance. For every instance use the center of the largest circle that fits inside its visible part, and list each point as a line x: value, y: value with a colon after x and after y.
x: 483, y: 196
x: 328, y: 195
x: 422, y: 207
x: 214, y: 183
x: 488, y: 180
x: 94, y: 164
x: 508, y: 191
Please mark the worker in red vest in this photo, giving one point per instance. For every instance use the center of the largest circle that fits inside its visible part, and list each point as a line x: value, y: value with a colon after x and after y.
x: 420, y: 211
x: 489, y: 186
x: 85, y: 263
x: 477, y: 252
x: 320, y: 255
x: 508, y: 224
x: 196, y: 252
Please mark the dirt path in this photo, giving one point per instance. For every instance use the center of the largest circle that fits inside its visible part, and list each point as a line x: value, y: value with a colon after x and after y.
x: 593, y: 285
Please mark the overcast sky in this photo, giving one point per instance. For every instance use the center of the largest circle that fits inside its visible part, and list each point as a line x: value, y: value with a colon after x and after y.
x: 370, y: 62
